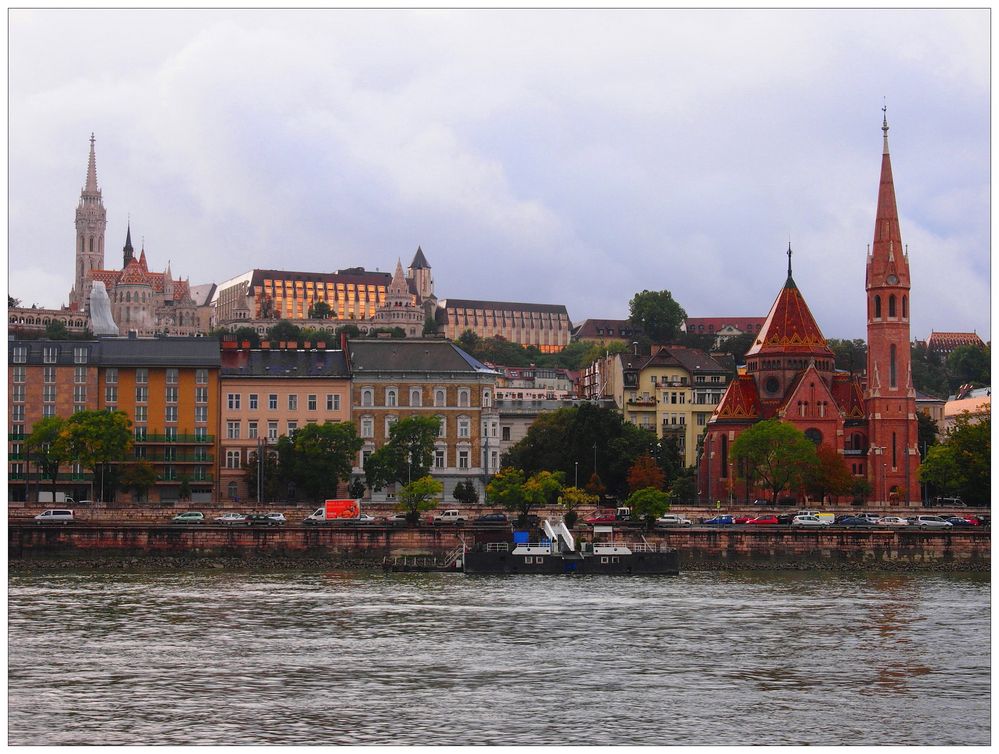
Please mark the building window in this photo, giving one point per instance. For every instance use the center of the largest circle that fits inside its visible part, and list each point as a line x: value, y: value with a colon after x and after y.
x: 80, y: 375
x: 48, y: 393
x: 506, y: 434
x: 891, y: 306
x: 905, y: 307
x: 442, y: 429
x: 201, y: 395
x: 201, y: 414
x: 463, y: 398
x: 272, y: 401
x: 415, y: 397
x: 141, y: 376
x: 365, y: 455
x: 50, y: 354
x: 232, y: 459
x: 462, y: 459
x: 313, y: 403
x: 464, y: 426
x: 253, y: 401
x: 49, y: 375
x: 172, y: 376
x: 232, y: 490
x: 232, y: 430
x: 293, y: 402
x: 47, y: 410
x: 141, y: 413
x: 389, y: 421
x: 272, y: 431
x: 332, y: 402
x: 201, y: 434
x: 17, y: 413
x: 17, y: 393
x: 367, y: 397
x: 367, y: 427
x: 141, y: 394
x: 233, y: 401
x: 111, y: 376
x: 439, y: 398
x: 17, y: 374
x: 724, y: 456
x: 292, y: 428
x: 877, y: 307
x: 390, y: 398
x: 891, y: 366
x: 79, y: 393
x: 19, y: 354
x: 252, y: 430
x: 201, y: 376
x: 171, y: 413
x: 439, y: 458
x: 171, y: 395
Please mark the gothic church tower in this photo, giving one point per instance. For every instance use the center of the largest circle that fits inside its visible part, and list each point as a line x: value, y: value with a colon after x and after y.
x: 893, y: 455
x: 91, y: 222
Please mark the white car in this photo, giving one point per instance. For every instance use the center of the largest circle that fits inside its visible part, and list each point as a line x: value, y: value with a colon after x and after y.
x: 673, y: 519
x: 808, y: 520
x: 55, y: 516
x: 892, y: 521
x: 227, y: 519
x: 279, y: 517
x: 932, y: 522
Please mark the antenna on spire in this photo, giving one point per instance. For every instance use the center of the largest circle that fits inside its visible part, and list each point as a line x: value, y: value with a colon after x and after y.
x: 884, y: 123
x: 789, y: 258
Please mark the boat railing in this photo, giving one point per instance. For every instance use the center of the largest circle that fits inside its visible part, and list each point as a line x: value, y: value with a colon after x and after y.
x: 497, y: 547
x: 643, y: 547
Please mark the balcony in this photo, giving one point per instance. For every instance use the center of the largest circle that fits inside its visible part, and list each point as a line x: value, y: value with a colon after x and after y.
x: 642, y: 402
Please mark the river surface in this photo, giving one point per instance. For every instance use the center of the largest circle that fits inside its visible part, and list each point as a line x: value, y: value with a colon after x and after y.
x: 372, y: 658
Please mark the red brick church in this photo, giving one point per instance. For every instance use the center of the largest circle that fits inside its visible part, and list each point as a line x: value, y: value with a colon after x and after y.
x: 790, y: 374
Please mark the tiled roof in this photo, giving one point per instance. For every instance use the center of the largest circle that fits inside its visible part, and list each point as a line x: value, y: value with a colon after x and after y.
x: 790, y: 327
x: 606, y: 328
x: 463, y: 303
x: 741, y: 401
x: 299, y: 363
x: 948, y: 341
x: 419, y: 261
x: 849, y: 395
x: 352, y: 275
x: 707, y: 325
x: 411, y: 355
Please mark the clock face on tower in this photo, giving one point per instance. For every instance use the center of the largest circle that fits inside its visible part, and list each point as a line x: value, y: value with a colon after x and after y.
x: 892, y: 280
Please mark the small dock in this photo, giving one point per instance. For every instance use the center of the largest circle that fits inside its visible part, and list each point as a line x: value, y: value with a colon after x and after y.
x: 451, y: 562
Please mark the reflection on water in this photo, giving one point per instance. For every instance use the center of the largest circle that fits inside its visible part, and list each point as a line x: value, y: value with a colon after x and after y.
x: 372, y: 658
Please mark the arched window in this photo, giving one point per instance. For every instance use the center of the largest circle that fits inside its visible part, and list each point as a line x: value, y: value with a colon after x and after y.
x: 905, y: 307
x: 463, y: 398
x: 814, y: 435
x: 439, y: 397
x: 877, y: 307
x: 894, y: 451
x: 390, y: 397
x: 231, y: 490
x: 891, y: 306
x: 442, y: 429
x: 415, y: 397
x: 367, y: 397
x: 891, y: 365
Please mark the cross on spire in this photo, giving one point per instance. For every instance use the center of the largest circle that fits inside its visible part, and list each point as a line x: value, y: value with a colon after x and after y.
x: 789, y: 259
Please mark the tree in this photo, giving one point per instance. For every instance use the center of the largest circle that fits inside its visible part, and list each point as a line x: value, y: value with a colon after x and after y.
x: 284, y: 331
x: 927, y: 433
x: 829, y: 476
x: 319, y: 456
x: 737, y: 345
x: 468, y: 341
x: 851, y: 355
x: 320, y: 310
x: 407, y: 455
x: 775, y: 454
x: 571, y: 499
x: 248, y: 335
x: 356, y: 489
x: 98, y: 439
x: 595, y: 486
x: 860, y: 489
x: 961, y: 464
x: 669, y: 458
x: 928, y: 373
x: 13, y: 303
x: 138, y: 477
x: 430, y: 326
x: 645, y: 472
x: 684, y: 488
x: 648, y: 503
x: 47, y: 447
x: 506, y: 489
x: 351, y: 331
x: 511, y: 490
x: 184, y: 491
x: 419, y: 495
x: 268, y: 468
x: 56, y: 330
x: 465, y: 493
x: 969, y: 365
x: 657, y: 314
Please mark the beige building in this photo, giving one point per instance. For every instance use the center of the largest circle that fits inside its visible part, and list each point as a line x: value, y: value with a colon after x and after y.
x: 545, y: 326
x: 268, y: 393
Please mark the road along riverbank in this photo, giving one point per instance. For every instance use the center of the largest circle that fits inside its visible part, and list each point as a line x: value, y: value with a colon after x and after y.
x: 700, y: 548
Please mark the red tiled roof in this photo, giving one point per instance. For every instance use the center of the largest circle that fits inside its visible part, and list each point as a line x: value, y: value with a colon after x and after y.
x: 848, y: 395
x: 714, y: 324
x: 948, y: 341
x: 790, y: 327
x: 741, y: 401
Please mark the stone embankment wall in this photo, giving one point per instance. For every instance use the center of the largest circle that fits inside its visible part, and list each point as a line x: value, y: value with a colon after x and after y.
x: 699, y: 548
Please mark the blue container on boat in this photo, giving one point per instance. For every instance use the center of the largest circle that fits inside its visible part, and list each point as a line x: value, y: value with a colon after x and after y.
x: 521, y: 537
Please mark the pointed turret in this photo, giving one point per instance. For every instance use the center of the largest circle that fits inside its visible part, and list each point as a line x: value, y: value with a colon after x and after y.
x: 423, y: 280
x: 91, y: 186
x: 128, y: 251
x: 419, y: 261
x: 142, y: 258
x: 886, y: 257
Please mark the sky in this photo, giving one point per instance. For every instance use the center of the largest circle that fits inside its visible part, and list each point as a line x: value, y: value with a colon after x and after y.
x: 568, y: 157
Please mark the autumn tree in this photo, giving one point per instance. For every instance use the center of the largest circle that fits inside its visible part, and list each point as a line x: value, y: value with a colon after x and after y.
x: 573, y: 498
x: 138, y: 477
x: 773, y: 454
x: 829, y: 475
x: 511, y: 490
x: 657, y: 314
x: 421, y: 494
x: 645, y: 472
x: 97, y: 439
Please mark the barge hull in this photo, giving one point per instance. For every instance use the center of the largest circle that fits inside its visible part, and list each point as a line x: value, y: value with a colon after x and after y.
x: 644, y: 563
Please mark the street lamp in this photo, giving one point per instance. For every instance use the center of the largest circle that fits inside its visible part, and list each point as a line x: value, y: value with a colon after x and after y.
x: 575, y: 482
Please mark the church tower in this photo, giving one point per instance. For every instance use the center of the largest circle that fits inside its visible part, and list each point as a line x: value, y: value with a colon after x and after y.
x: 893, y: 455
x: 91, y: 222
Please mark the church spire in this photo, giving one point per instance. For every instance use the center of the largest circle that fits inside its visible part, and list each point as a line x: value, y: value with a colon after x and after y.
x: 883, y: 263
x: 91, y: 168
x: 788, y: 260
x: 129, y: 252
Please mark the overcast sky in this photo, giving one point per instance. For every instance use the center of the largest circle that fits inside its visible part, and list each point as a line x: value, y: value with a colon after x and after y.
x: 571, y: 157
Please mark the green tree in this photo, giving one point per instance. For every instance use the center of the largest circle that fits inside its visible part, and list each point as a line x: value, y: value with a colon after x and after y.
x: 961, y: 464
x: 13, y: 303
x: 657, y: 314
x: 47, y: 447
x: 407, y: 455
x: 356, y: 489
x: 430, y: 326
x: 465, y: 493
x: 56, y: 330
x: 571, y: 500
x: 773, y: 453
x: 969, y: 365
x: 648, y: 503
x: 319, y: 456
x: 320, y: 310
x: 927, y: 433
x: 268, y: 468
x: 684, y: 487
x: 138, y: 477
x: 351, y: 331
x: 247, y: 335
x: 645, y: 472
x: 469, y: 342
x: 829, y: 475
x: 669, y: 458
x: 737, y: 345
x: 851, y: 355
x: 860, y: 489
x: 929, y: 375
x: 506, y: 489
x: 184, y: 490
x: 284, y: 331
x: 511, y: 490
x: 419, y: 495
x: 97, y: 439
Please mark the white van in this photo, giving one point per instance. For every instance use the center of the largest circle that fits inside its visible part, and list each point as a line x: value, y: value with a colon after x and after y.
x: 55, y: 516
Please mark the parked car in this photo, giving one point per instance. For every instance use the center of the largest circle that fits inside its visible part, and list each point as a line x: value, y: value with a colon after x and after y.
x: 673, y: 519
x: 363, y: 519
x: 958, y: 521
x: 491, y: 519
x: 785, y: 519
x: 229, y: 519
x: 279, y: 517
x: 399, y: 519
x: 722, y: 520
x: 55, y: 516
x: 743, y: 519
x: 856, y: 522
x: 761, y: 502
x: 974, y: 520
x: 261, y: 519
x: 808, y: 521
x: 892, y: 521
x: 764, y: 520
x: 603, y: 519
x: 452, y: 516
x: 931, y: 522
x: 189, y: 517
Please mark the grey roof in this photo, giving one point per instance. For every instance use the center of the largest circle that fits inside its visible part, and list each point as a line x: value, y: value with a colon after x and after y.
x: 419, y: 261
x: 612, y: 328
x: 140, y: 352
x: 298, y: 363
x: 350, y: 275
x: 467, y: 303
x: 65, y: 354
x: 202, y: 294
x: 411, y: 355
x: 691, y: 359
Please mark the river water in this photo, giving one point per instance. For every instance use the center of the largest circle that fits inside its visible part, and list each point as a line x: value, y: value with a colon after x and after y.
x: 373, y: 658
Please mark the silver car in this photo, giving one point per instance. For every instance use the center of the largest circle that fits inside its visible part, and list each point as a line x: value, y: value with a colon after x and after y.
x: 808, y: 521
x: 55, y: 516
x: 279, y: 517
x: 230, y: 519
x: 933, y: 522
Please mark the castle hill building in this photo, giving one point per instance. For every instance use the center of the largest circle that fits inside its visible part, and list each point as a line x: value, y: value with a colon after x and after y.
x: 944, y: 343
x: 606, y: 331
x: 722, y: 328
x: 168, y: 388
x: 545, y: 326
x: 268, y: 393
x: 142, y: 301
x: 394, y: 379
x: 791, y: 375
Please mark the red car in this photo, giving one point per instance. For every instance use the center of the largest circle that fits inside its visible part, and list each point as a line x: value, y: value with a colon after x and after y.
x: 742, y: 519
x: 765, y: 520
x: 604, y: 519
x: 973, y: 520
